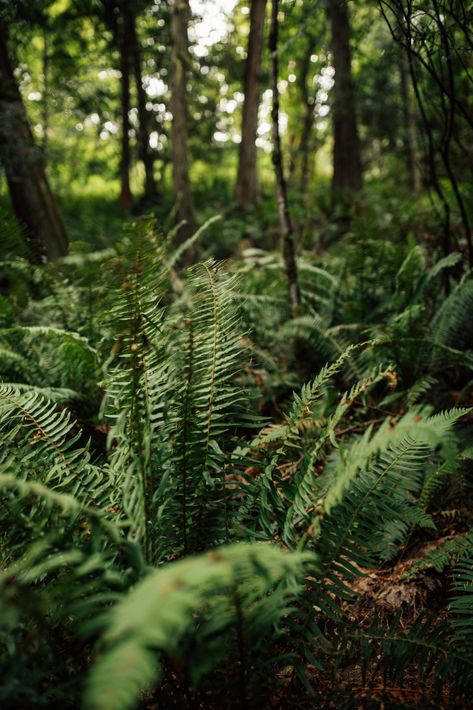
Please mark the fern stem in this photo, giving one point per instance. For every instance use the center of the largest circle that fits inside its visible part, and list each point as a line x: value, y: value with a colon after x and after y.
x: 185, y: 434
x: 210, y: 403
x: 214, y: 362
x: 135, y: 418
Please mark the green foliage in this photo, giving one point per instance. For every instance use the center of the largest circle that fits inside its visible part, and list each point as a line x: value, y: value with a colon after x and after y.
x: 100, y: 512
x: 204, y: 501
x: 206, y: 596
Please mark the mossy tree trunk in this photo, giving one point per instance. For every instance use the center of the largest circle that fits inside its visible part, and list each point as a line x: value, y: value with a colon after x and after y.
x: 33, y: 201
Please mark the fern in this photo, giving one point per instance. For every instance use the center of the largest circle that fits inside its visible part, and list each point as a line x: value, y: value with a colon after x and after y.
x: 425, y: 645
x: 444, y: 555
x: 449, y: 330
x: 49, y: 450
x: 365, y: 509
x: 305, y: 480
x: 349, y: 478
x: 158, y: 613
x: 135, y: 375
x: 461, y: 605
x: 265, y: 491
x: 204, y: 407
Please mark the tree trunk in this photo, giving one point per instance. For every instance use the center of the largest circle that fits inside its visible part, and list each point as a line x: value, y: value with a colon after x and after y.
x: 288, y: 246
x: 180, y: 162
x: 145, y: 152
x: 410, y: 132
x: 347, y: 177
x: 308, y: 99
x: 304, y: 149
x: 247, y: 180
x: 126, y: 196
x: 45, y: 97
x: 32, y: 199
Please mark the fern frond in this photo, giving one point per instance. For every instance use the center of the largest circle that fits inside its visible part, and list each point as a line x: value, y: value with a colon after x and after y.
x: 158, y: 612
x: 445, y: 554
x: 425, y: 645
x: 196, y: 494
x: 461, y: 605
x: 414, y: 426
x: 68, y: 357
x: 450, y: 326
x: 49, y: 448
x: 303, y: 403
x: 50, y: 332
x: 65, y: 502
x: 419, y: 389
x: 175, y: 257
x: 265, y: 489
x: 136, y: 373
x: 364, y: 512
x: 302, y: 498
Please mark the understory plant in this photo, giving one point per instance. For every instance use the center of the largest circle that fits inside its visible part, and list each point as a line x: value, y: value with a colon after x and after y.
x: 168, y: 542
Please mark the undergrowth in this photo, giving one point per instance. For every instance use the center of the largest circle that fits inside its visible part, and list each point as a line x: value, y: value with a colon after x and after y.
x: 194, y: 484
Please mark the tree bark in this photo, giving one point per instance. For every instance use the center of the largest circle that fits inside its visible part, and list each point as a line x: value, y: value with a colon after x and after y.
x: 23, y: 161
x: 246, y: 192
x: 410, y: 133
x: 287, y: 230
x: 126, y: 196
x: 308, y: 121
x: 45, y: 97
x: 180, y: 161
x: 347, y: 176
x: 145, y: 152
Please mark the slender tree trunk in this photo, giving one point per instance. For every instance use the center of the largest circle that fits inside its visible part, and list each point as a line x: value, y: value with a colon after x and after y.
x: 246, y: 192
x: 308, y: 121
x: 32, y: 199
x: 45, y: 97
x: 347, y: 177
x: 145, y: 152
x: 410, y: 131
x: 180, y: 161
x: 126, y: 196
x: 287, y: 230
x: 304, y: 149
